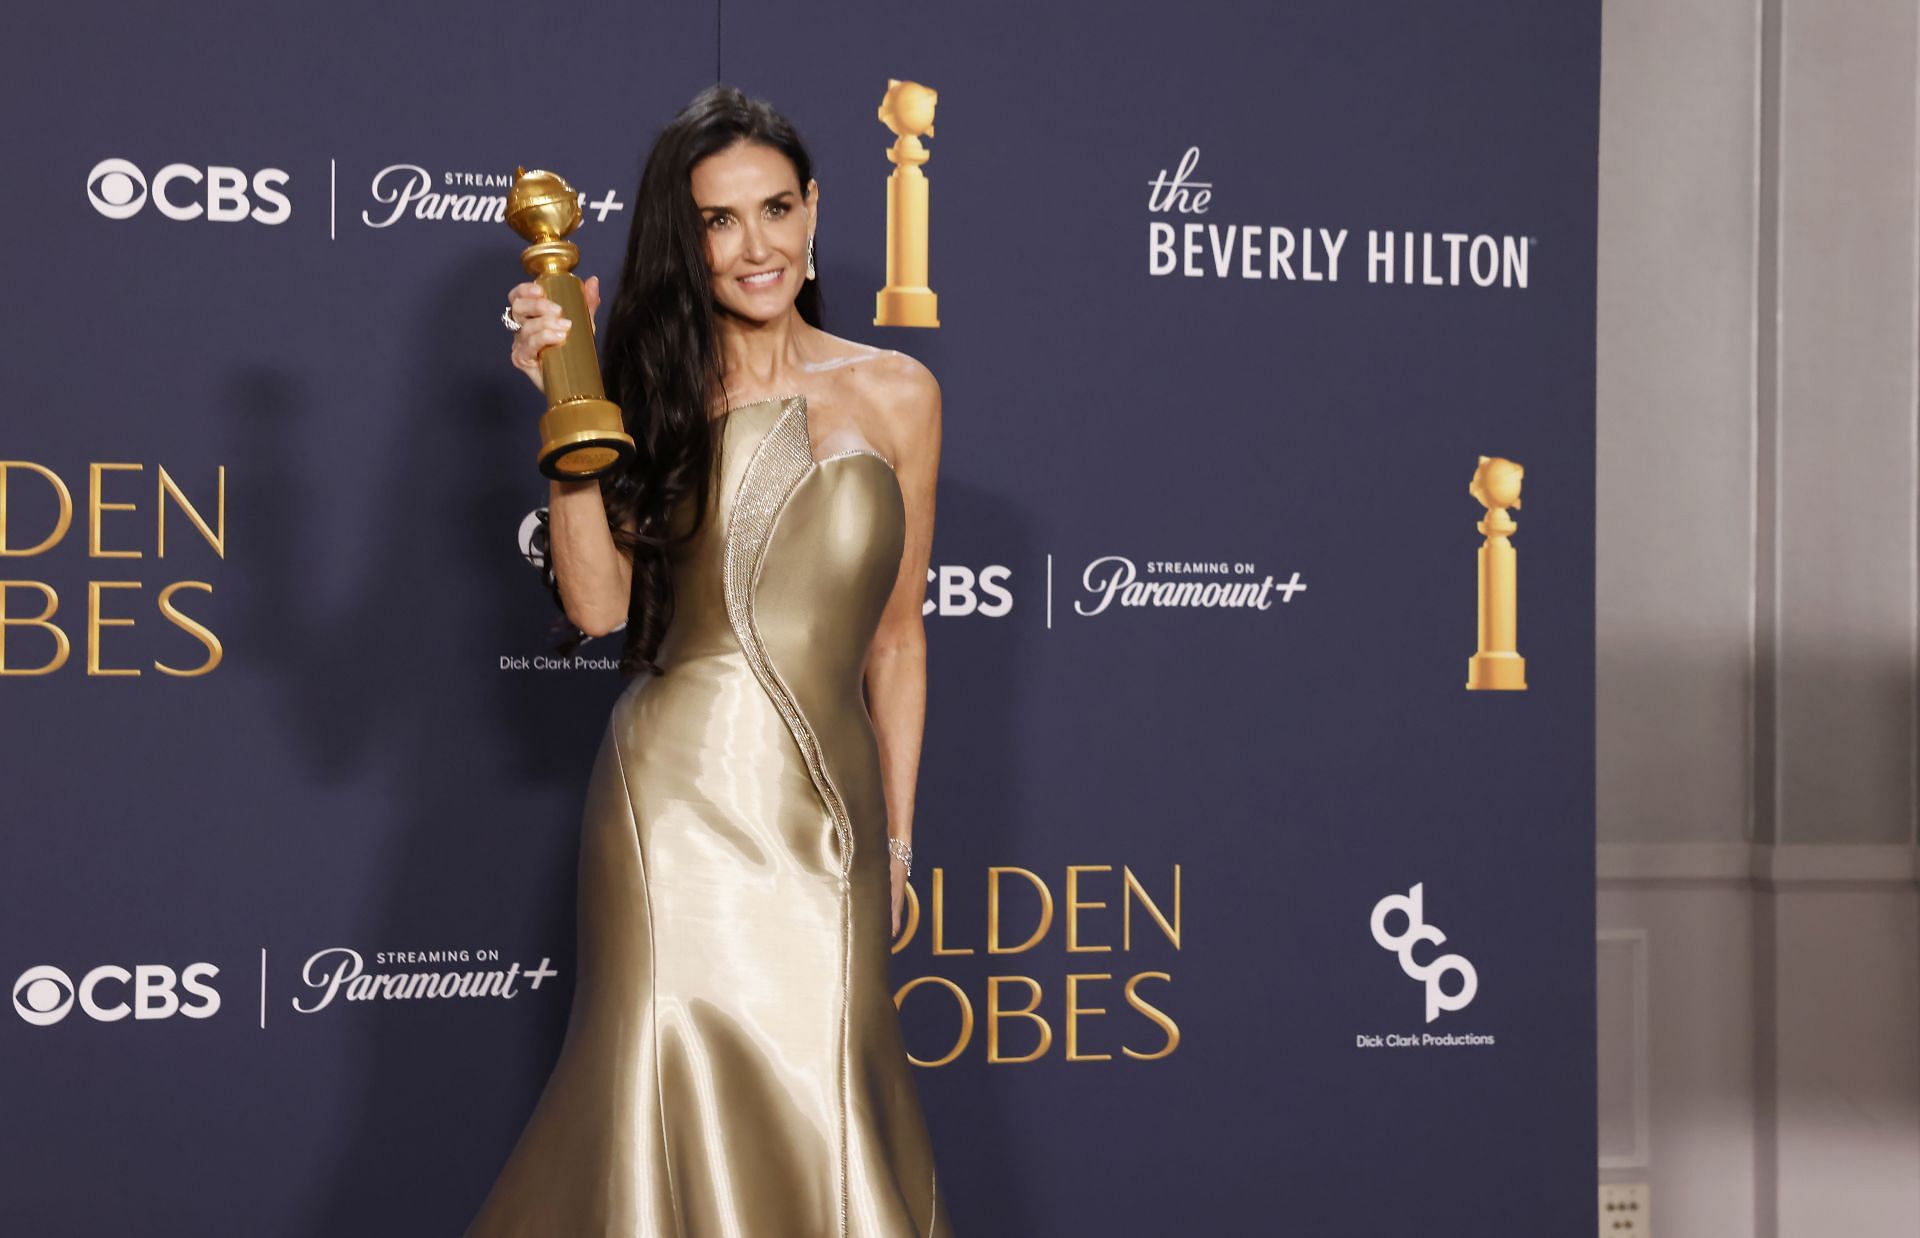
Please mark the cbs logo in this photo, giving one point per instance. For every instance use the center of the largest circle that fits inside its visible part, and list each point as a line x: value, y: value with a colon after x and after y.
x: 961, y: 589
x: 119, y: 190
x: 44, y: 995
x: 1412, y: 904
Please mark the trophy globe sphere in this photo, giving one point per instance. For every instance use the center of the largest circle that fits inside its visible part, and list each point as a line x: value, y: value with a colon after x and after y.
x: 541, y: 206
x: 907, y: 108
x: 1496, y: 483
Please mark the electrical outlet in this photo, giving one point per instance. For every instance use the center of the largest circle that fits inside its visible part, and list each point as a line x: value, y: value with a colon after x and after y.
x: 1624, y: 1210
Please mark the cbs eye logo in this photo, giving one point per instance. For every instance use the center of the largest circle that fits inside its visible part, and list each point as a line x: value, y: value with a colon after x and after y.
x: 118, y: 190
x: 44, y: 995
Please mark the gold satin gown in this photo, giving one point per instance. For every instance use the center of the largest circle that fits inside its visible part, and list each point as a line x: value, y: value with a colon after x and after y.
x: 733, y: 1065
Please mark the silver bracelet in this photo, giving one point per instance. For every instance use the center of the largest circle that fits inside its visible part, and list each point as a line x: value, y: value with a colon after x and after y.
x: 902, y: 851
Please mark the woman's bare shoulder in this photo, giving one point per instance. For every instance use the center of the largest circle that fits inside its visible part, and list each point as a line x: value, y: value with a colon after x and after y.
x: 895, y: 397
x: 875, y: 369
x: 904, y: 400
x: 895, y: 384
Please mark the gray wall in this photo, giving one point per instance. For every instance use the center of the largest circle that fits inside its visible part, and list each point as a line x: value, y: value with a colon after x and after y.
x: 1757, y: 349
x: 1757, y: 559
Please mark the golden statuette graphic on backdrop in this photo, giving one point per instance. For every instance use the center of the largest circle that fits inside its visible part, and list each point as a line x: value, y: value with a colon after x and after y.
x: 1498, y: 665
x: 907, y: 301
x: 582, y: 435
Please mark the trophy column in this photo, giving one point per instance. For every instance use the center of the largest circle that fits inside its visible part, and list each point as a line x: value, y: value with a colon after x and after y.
x: 907, y: 301
x: 582, y: 435
x: 1497, y: 665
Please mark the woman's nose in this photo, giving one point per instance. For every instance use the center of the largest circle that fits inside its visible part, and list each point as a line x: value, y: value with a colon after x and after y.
x: 757, y: 247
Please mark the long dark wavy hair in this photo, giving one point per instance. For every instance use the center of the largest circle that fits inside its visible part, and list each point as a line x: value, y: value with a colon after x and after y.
x: 661, y: 358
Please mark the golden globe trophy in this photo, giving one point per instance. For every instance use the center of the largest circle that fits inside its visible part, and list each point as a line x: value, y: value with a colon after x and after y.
x: 582, y: 435
x: 906, y: 301
x: 1497, y: 665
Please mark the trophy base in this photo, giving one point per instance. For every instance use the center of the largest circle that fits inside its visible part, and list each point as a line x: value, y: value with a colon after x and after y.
x: 583, y: 439
x: 906, y: 307
x: 1497, y: 672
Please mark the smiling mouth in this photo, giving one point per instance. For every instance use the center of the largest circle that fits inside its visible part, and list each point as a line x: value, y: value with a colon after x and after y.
x: 766, y: 279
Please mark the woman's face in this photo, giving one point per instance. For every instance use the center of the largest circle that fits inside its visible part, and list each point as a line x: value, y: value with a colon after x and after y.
x: 757, y: 223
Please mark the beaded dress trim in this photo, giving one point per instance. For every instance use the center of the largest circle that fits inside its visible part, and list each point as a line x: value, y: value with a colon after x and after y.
x: 781, y: 459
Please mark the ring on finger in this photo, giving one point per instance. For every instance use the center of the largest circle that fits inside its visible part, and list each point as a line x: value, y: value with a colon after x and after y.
x: 507, y: 318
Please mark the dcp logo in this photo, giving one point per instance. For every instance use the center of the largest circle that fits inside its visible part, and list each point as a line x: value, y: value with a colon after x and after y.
x: 44, y: 995
x: 118, y: 190
x: 1418, y: 930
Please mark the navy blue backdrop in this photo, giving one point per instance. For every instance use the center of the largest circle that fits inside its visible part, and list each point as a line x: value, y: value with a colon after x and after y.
x: 1227, y: 296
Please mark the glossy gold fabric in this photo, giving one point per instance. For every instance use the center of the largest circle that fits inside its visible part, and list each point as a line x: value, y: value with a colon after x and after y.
x: 733, y: 1066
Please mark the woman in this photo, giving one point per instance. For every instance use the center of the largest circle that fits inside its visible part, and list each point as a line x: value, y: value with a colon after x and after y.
x: 733, y: 1062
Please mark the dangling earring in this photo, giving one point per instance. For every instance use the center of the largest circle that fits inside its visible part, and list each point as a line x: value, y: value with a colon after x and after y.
x: 810, y: 255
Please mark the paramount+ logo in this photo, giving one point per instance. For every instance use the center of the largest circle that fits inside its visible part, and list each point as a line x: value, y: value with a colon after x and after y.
x: 45, y: 995
x: 183, y: 192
